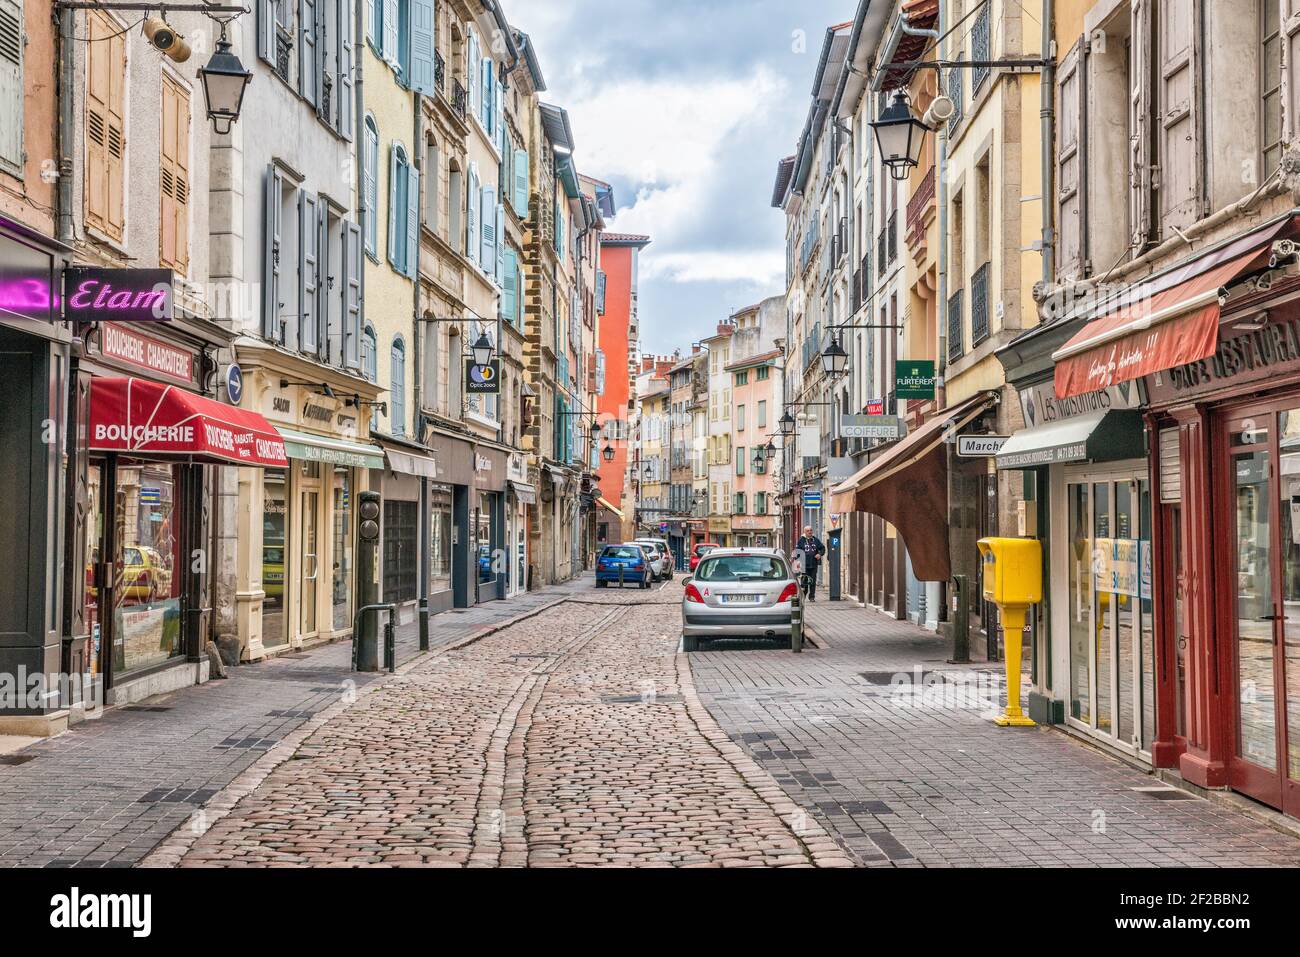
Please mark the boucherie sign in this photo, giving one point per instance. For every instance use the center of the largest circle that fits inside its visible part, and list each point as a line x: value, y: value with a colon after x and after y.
x: 145, y: 352
x: 143, y: 417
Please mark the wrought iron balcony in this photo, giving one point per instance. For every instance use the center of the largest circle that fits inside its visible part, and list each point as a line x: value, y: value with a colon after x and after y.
x: 892, y: 238
x: 956, y: 347
x: 979, y: 305
x: 980, y: 48
x: 920, y: 203
x: 459, y: 99
x: 439, y: 70
x: 882, y: 251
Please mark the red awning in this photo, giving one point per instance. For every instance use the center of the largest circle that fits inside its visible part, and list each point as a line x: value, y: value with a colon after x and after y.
x: 150, y: 418
x: 1166, y: 321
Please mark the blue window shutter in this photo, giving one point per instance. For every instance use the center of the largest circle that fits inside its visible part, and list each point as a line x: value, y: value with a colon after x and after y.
x: 559, y: 229
x: 393, y: 252
x: 509, y: 286
x: 499, y: 266
x: 471, y: 214
x: 391, y: 34
x: 370, y: 175
x: 421, y: 74
x: 352, y: 266
x: 397, y: 389
x: 488, y: 96
x: 412, y: 218
x: 487, y: 257
x: 499, y: 124
x: 521, y: 183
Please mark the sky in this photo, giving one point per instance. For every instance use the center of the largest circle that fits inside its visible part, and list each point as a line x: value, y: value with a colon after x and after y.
x: 685, y: 107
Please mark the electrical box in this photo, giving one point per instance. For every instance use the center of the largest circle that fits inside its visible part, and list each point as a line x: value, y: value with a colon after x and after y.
x: 1013, y: 571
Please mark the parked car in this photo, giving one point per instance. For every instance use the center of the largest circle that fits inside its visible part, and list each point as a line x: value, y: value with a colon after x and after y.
x: 741, y: 592
x: 664, y: 570
x: 145, y: 576
x: 623, y: 564
x: 657, y: 558
x: 699, y: 551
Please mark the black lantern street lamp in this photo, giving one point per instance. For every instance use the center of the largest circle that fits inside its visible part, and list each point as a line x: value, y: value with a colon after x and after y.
x: 786, y: 423
x: 224, y: 80
x: 834, y: 358
x: 899, y: 135
x: 759, y: 459
x: 769, y: 451
x: 607, y: 453
x: 482, y: 350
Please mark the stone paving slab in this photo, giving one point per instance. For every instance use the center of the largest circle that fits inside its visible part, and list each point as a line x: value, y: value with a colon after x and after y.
x: 902, y: 780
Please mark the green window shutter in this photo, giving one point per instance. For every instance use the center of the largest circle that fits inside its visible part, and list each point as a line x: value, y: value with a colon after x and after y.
x: 510, y: 286
x: 521, y: 183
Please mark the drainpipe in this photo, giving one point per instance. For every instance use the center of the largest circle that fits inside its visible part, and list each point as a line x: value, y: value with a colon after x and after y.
x: 1047, y: 187
x: 67, y: 117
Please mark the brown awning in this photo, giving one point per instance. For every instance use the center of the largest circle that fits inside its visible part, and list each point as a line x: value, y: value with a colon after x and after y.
x: 907, y: 486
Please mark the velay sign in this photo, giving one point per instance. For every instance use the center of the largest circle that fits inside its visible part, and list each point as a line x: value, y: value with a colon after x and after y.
x: 143, y: 417
x: 92, y: 294
x: 914, y: 378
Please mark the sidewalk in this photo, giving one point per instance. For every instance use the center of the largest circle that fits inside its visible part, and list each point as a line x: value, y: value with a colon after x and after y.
x: 907, y: 779
x: 106, y: 792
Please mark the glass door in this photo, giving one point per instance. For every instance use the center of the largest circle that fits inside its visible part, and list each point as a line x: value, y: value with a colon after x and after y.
x: 310, y: 562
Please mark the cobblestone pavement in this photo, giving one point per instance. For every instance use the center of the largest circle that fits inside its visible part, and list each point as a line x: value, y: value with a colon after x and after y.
x: 572, y: 738
x: 106, y: 792
x: 904, y: 781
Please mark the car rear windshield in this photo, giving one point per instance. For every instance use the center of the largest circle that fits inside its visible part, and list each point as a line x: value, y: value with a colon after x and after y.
x: 701, y: 549
x: 731, y: 568
x: 621, y: 551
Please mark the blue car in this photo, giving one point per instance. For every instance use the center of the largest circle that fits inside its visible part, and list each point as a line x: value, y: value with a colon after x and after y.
x: 623, y: 564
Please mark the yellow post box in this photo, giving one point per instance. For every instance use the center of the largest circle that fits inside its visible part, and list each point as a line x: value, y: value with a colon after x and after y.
x: 1013, y: 580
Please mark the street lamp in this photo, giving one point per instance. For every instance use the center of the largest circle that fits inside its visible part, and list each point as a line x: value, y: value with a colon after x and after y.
x: 760, y: 459
x: 786, y: 423
x: 899, y: 135
x: 607, y: 453
x: 834, y: 358
x: 769, y: 451
x: 482, y: 350
x: 224, y: 80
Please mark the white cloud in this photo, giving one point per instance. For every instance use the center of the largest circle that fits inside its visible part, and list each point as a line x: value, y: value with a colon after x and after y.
x: 763, y: 268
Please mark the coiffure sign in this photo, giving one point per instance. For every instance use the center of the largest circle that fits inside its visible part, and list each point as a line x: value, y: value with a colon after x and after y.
x: 91, y: 294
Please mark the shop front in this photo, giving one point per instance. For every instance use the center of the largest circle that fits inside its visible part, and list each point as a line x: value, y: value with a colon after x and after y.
x: 521, y: 499
x: 753, y: 531
x: 493, y: 560
x: 405, y: 562
x: 452, y: 582
x: 719, y: 527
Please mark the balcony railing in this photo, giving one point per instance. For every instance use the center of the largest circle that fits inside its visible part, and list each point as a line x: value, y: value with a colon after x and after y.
x: 922, y: 200
x: 955, y: 94
x: 459, y: 99
x: 979, y: 305
x: 439, y: 70
x: 892, y: 239
x: 955, y: 345
x: 882, y: 251
x: 980, y: 49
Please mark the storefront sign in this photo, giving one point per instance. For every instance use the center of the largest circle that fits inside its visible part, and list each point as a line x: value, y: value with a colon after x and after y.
x: 146, y: 352
x: 483, y: 380
x: 872, y: 427
x: 914, y: 378
x: 1041, y: 406
x: 875, y: 407
x: 1055, y: 455
x: 516, y: 467
x: 719, y: 525
x: 125, y: 295
x: 1241, y: 359
x: 979, y: 446
x: 489, y: 469
x: 812, y: 499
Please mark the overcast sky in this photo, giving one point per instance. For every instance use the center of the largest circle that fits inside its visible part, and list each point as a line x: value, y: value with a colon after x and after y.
x: 685, y: 106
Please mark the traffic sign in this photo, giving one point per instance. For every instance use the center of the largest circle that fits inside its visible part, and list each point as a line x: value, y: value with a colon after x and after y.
x: 812, y: 499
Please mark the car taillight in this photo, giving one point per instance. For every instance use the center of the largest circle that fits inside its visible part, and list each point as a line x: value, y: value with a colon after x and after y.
x: 788, y: 593
x: 693, y: 594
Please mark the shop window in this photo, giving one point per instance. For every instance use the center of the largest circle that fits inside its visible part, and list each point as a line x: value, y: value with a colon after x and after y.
x: 275, y: 541
x: 341, y: 565
x: 401, y: 533
x: 440, y: 532
x: 483, y: 540
x: 147, y: 567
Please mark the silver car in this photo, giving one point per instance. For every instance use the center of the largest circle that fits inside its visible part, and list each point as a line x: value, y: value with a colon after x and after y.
x: 738, y: 592
x: 664, y: 569
x: 658, y: 560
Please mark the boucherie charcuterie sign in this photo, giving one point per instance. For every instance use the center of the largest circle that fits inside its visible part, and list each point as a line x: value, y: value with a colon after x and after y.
x: 92, y: 294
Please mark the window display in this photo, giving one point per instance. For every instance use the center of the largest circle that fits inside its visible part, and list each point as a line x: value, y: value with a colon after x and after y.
x: 146, y: 567
x: 275, y: 538
x: 440, y: 524
x: 341, y: 578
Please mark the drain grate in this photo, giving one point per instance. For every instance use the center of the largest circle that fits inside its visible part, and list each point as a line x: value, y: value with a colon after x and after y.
x: 290, y: 714
x: 638, y: 699
x: 13, y: 760
x: 1165, y: 794
x: 147, y: 707
x: 246, y: 744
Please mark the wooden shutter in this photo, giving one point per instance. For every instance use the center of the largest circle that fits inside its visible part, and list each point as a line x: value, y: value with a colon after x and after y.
x: 11, y: 83
x: 421, y: 32
x: 600, y: 291
x: 266, y: 30
x: 1141, y: 134
x: 521, y: 183
x: 397, y: 389
x: 352, y: 266
x: 105, y: 125
x: 488, y: 94
x: 174, y: 175
x: 1171, y: 467
x: 472, y: 70
x: 271, y: 255
x: 394, y: 250
x: 1179, y: 157
x: 308, y: 67
x: 412, y: 237
x: 1071, y: 150
x: 309, y: 255
x: 343, y: 88
x: 499, y: 122
x: 370, y: 178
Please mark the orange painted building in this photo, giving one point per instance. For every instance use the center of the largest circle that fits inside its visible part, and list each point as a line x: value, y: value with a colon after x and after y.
x: 617, y: 340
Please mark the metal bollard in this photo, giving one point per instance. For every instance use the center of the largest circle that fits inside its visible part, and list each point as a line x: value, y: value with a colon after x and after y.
x: 390, y: 643
x: 961, y: 620
x: 424, y: 624
x: 365, y: 644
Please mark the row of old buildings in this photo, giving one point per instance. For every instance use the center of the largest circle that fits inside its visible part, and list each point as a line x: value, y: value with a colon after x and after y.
x: 1064, y: 308
x: 384, y: 274
x: 704, y: 464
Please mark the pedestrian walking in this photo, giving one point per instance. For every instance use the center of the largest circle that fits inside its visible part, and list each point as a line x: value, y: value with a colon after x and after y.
x: 813, y: 550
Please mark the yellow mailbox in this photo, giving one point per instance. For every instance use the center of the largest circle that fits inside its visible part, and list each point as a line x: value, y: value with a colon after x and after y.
x: 1013, y: 580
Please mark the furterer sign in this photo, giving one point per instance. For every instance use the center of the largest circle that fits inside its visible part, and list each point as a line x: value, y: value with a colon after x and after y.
x: 91, y: 294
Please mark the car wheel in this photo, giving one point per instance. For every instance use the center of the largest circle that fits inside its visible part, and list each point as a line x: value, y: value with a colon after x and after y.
x: 601, y: 584
x: 690, y: 643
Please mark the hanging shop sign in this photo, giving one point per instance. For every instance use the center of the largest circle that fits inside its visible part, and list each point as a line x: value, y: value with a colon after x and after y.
x: 483, y: 380
x: 1041, y: 406
x: 875, y: 407
x: 92, y: 294
x: 812, y: 499
x: 145, y: 352
x: 872, y: 427
x: 979, y: 446
x: 914, y: 378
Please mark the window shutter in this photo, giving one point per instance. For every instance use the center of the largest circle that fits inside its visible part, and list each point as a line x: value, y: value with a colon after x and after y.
x: 1179, y: 159
x: 372, y: 22
x: 266, y: 30
x: 352, y: 266
x: 499, y: 124
x: 105, y: 126
x: 397, y: 389
x: 308, y: 69
x: 308, y: 266
x: 412, y: 219
x: 521, y: 183
x: 1171, y: 467
x: 370, y: 175
x: 391, y: 32
x: 471, y: 214
x: 1071, y: 151
x: 488, y: 94
x: 394, y: 252
x: 344, y: 88
x: 1140, y: 126
x: 600, y: 291
x: 559, y: 229
x: 509, y: 286
x: 472, y: 70
x: 11, y: 83
x: 271, y: 257
x: 499, y: 266
x: 421, y: 75
x: 488, y: 230
x: 174, y: 175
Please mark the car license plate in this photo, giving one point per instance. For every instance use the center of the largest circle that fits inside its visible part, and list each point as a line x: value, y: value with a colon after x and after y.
x: 741, y: 599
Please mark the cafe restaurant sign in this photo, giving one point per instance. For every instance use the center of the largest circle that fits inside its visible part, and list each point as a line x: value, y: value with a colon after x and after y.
x: 92, y: 294
x: 1244, y: 358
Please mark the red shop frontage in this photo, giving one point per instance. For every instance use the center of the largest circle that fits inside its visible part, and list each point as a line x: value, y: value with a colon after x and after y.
x: 1216, y: 344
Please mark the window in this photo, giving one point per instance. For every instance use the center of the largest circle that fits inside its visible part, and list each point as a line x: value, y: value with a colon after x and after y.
x: 738, y: 504
x: 740, y: 417
x: 760, y: 503
x: 370, y: 177
x: 403, y: 211
x: 1270, y: 86
x: 397, y: 388
x: 761, y: 373
x: 455, y: 195
x: 762, y: 413
x: 740, y: 460
x: 432, y: 177
x: 174, y: 175
x: 11, y: 84
x: 742, y: 377
x: 105, y: 125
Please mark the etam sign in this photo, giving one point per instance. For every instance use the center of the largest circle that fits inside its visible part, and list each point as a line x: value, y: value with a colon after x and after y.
x: 91, y: 294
